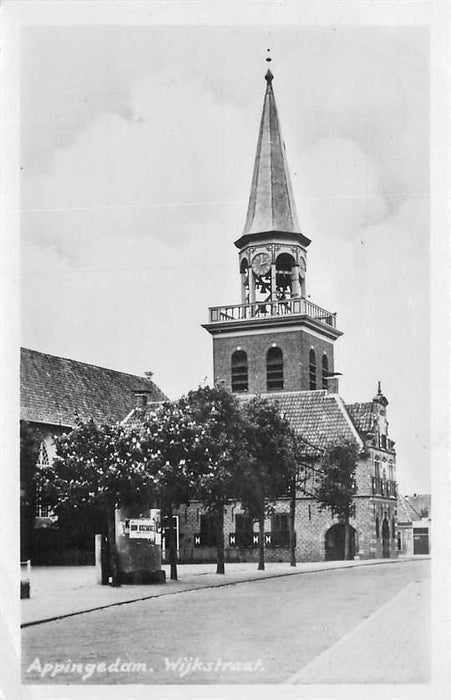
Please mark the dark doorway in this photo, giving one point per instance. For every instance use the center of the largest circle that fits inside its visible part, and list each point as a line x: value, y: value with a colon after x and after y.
x: 420, y: 540
x: 385, y: 539
x: 335, y: 542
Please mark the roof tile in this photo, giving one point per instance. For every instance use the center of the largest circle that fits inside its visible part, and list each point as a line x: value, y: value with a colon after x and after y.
x: 55, y: 390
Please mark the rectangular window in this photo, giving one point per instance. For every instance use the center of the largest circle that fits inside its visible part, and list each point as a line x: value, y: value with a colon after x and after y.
x: 207, y: 530
x: 280, y: 534
x: 244, y: 530
x: 42, y: 510
x: 377, y: 469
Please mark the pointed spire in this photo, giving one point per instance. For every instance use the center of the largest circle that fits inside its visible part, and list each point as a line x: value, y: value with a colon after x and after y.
x: 271, y: 202
x: 269, y: 77
x: 380, y: 398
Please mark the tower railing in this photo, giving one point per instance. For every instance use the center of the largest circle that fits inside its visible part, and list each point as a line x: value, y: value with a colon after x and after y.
x: 266, y: 309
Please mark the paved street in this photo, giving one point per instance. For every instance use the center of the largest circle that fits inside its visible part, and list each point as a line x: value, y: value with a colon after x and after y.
x: 365, y: 624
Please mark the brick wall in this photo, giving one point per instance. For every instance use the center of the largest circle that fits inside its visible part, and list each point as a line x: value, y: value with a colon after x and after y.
x: 311, y: 527
x: 295, y: 346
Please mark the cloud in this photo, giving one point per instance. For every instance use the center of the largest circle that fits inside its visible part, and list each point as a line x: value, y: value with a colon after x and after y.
x: 339, y: 186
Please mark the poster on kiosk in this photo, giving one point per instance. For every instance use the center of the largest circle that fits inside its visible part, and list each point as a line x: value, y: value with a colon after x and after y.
x: 145, y: 528
x: 139, y: 548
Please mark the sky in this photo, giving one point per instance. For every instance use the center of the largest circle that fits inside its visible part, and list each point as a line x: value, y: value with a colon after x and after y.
x: 137, y: 149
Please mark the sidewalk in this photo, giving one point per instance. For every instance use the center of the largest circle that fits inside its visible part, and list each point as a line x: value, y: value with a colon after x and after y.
x: 62, y: 591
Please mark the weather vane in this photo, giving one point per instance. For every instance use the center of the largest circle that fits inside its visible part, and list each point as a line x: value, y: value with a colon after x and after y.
x: 269, y: 76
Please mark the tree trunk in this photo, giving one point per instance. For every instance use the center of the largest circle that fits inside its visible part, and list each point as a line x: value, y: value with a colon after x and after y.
x: 261, y: 543
x: 219, y: 528
x: 292, y: 522
x: 112, y: 547
x: 347, y: 533
x: 172, y: 547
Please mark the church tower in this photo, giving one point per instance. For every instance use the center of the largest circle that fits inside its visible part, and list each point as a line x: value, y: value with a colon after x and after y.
x: 276, y: 339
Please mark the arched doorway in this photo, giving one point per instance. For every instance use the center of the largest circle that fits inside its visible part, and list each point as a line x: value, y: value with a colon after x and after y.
x: 385, y: 539
x: 334, y: 542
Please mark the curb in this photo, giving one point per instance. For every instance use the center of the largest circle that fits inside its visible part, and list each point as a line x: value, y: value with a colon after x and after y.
x: 350, y: 565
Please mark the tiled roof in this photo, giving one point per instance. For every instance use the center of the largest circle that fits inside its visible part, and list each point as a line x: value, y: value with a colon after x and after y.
x: 55, y: 390
x: 317, y: 416
x: 137, y: 416
x: 406, y: 511
x: 420, y: 503
x: 362, y: 415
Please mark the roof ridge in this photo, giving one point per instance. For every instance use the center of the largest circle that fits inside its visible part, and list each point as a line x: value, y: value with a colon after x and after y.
x: 89, y: 364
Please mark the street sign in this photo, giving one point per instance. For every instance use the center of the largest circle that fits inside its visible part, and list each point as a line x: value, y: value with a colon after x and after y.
x: 143, y: 528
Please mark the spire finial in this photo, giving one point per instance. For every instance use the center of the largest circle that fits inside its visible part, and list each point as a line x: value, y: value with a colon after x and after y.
x: 269, y: 76
x: 379, y: 390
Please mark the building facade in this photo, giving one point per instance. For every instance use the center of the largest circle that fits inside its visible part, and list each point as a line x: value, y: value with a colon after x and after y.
x: 414, y: 525
x: 54, y: 391
x: 279, y: 344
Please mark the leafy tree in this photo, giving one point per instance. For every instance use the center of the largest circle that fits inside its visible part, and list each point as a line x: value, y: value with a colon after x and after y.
x: 337, y: 488
x: 270, y: 466
x: 168, y: 439
x: 218, y: 452
x: 99, y: 466
x: 30, y: 441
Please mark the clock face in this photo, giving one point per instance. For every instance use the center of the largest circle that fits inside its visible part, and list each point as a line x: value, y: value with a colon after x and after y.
x: 261, y: 263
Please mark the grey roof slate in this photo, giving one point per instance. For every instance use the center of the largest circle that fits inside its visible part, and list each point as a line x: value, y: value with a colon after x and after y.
x: 406, y: 511
x: 362, y: 415
x: 54, y: 390
x: 318, y: 417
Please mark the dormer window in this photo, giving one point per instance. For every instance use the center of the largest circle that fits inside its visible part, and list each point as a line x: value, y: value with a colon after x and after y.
x: 141, y: 399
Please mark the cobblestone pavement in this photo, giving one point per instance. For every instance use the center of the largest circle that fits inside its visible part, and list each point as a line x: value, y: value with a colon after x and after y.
x: 362, y: 624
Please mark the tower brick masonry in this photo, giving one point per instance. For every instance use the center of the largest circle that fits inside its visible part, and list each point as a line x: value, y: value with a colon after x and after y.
x: 276, y: 342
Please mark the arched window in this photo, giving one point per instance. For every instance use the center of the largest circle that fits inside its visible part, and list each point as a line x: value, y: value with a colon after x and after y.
x: 42, y: 510
x: 284, y: 276
x: 377, y: 526
x: 325, y: 371
x: 274, y: 369
x: 377, y: 467
x: 244, y: 266
x: 239, y: 371
x: 312, y: 369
